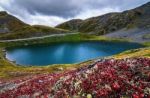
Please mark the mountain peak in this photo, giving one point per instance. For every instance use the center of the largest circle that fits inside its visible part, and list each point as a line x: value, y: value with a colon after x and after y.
x: 3, y: 13
x: 110, y: 22
x: 148, y: 3
x: 71, y: 24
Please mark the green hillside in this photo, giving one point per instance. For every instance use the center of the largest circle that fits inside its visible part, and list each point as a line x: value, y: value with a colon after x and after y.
x: 138, y: 17
x: 13, y: 28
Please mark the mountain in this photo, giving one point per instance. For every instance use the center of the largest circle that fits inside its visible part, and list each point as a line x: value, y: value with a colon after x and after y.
x: 138, y: 17
x: 9, y: 23
x: 72, y: 25
x: 13, y: 28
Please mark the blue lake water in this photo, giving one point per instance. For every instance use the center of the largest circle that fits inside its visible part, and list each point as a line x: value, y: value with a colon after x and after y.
x: 65, y: 53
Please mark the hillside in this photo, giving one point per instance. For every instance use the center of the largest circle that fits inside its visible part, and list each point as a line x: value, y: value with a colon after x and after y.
x: 9, y: 23
x: 13, y: 28
x: 73, y: 25
x: 138, y: 17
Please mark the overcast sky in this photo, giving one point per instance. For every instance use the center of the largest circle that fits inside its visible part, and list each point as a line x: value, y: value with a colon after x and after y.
x: 53, y: 12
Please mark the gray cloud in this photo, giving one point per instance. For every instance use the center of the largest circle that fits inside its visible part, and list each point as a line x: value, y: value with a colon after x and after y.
x: 65, y: 9
x: 48, y: 7
x: 61, y: 8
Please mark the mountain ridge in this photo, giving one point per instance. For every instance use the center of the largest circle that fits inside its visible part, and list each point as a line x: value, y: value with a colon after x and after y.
x: 9, y: 23
x: 110, y: 22
x: 13, y: 28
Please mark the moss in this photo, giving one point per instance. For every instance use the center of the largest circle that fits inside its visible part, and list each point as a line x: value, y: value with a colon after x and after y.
x: 142, y: 52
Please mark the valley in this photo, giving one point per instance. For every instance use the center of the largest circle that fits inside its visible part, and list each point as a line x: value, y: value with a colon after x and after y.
x: 118, y: 73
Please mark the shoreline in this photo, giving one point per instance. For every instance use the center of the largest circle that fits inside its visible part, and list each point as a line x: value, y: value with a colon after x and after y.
x: 14, y: 62
x: 10, y: 66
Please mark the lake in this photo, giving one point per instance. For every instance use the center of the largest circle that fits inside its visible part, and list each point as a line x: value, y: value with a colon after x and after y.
x: 66, y: 53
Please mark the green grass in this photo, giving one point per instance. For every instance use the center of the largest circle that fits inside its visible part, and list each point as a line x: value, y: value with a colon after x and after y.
x: 18, y: 29
x: 10, y: 70
x: 56, y: 39
x: 141, y: 52
x: 147, y: 44
x: 31, y: 31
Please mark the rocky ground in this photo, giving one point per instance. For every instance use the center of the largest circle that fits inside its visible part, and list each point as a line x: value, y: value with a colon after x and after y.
x: 136, y: 35
x: 115, y: 78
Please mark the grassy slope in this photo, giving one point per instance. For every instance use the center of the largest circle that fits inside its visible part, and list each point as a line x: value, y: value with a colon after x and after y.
x: 67, y: 38
x: 110, y: 22
x: 30, y: 31
x: 147, y: 43
x: 10, y: 22
x: 13, y: 28
x: 147, y: 36
x: 142, y: 52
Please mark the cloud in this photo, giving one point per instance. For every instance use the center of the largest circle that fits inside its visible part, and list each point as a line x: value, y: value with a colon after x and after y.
x: 44, y: 20
x: 1, y: 9
x: 61, y: 8
x: 52, y: 12
x: 93, y: 13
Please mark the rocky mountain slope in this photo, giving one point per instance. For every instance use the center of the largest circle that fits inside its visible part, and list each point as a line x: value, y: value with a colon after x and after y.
x: 13, y: 28
x: 138, y: 17
x: 9, y: 23
x: 73, y: 25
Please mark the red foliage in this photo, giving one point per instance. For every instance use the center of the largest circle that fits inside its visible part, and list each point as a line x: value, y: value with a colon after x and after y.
x: 105, y: 78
